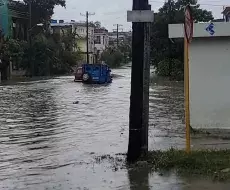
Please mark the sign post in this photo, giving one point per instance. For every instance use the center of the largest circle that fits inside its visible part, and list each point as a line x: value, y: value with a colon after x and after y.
x: 188, y: 31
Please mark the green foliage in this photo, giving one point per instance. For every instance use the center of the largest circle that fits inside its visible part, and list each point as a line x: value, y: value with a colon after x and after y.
x: 126, y: 51
x: 213, y: 164
x: 176, y: 66
x: 47, y: 56
x: 42, y: 10
x: 112, y: 57
x: 50, y: 57
x: 14, y: 50
x: 172, y: 12
x: 97, y: 24
x: 115, y: 57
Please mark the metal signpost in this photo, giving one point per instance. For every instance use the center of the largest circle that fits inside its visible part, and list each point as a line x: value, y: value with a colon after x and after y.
x: 188, y: 31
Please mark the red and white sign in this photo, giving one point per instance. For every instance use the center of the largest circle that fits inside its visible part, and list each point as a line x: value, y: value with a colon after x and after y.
x: 188, y: 24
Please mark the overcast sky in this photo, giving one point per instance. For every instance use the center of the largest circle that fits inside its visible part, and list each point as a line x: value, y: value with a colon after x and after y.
x: 110, y: 12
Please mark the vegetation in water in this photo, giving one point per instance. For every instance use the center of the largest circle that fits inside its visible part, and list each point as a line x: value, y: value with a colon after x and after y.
x: 214, y: 164
x: 209, y: 163
x: 116, y: 57
x: 47, y: 54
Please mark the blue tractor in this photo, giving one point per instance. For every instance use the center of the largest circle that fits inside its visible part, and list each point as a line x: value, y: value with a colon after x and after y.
x: 95, y: 74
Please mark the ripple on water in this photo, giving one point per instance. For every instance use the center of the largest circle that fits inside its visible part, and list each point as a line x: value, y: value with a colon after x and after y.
x: 45, y: 138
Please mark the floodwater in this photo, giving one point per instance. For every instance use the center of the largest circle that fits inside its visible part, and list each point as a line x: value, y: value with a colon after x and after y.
x: 52, y: 130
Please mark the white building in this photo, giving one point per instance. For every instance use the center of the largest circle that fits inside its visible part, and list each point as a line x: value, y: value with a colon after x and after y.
x: 81, y: 40
x: 101, y: 40
x: 209, y: 74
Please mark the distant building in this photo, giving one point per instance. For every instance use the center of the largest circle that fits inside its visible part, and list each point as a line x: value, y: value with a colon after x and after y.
x: 81, y: 40
x: 101, y: 40
x: 122, y: 36
x: 226, y: 13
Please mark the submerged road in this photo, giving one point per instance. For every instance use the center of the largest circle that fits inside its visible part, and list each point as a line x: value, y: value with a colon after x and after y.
x: 52, y: 130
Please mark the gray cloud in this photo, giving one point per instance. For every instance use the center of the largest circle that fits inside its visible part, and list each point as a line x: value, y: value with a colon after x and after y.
x: 111, y: 12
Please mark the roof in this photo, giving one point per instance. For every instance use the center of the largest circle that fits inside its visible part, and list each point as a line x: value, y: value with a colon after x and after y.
x: 60, y: 24
x: 201, y: 30
x: 71, y: 24
x: 100, y: 30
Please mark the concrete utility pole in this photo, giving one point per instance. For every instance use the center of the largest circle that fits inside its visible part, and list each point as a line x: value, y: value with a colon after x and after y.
x: 169, y: 40
x: 147, y: 44
x: 30, y: 37
x: 139, y: 99
x: 87, y: 33
x: 117, y: 30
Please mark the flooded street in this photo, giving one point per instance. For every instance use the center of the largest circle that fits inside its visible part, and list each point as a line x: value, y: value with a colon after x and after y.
x: 52, y: 130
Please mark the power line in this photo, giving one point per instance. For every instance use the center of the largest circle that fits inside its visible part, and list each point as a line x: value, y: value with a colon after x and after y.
x: 117, y: 29
x: 87, y: 32
x: 115, y: 12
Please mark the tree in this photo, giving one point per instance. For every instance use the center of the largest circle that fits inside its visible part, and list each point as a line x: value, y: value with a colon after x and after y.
x: 97, y: 24
x: 172, y: 12
x: 42, y: 10
x: 112, y: 57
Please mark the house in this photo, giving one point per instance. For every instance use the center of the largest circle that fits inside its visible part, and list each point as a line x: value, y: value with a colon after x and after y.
x: 209, y: 55
x: 81, y: 40
x: 101, y: 40
x: 122, y: 36
x: 226, y: 14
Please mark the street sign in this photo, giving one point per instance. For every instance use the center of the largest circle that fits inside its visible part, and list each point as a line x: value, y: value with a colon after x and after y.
x: 211, y: 29
x: 188, y: 24
x: 140, y: 16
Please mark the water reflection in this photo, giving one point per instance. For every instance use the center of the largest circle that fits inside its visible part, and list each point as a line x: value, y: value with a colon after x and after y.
x: 139, y: 178
x: 47, y: 142
x: 144, y: 179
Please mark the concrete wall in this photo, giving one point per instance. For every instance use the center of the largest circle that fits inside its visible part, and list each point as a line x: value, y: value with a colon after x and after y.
x: 104, y: 41
x: 82, y: 46
x: 220, y: 28
x: 209, y: 83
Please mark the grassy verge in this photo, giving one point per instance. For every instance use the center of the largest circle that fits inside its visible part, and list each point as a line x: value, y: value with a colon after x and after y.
x: 215, y: 164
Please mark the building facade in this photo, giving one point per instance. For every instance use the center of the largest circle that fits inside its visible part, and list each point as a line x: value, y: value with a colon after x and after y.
x: 81, y: 36
x: 101, y: 40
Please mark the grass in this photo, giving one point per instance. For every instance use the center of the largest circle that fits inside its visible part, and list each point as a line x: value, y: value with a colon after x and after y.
x: 215, y: 164
x: 204, y: 163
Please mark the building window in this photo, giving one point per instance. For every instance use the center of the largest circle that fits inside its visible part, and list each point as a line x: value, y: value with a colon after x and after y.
x: 98, y: 40
x: 103, y: 40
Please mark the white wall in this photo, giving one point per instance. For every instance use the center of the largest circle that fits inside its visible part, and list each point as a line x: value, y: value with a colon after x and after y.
x: 82, y: 31
x: 102, y: 46
x: 210, y: 83
x: 220, y: 28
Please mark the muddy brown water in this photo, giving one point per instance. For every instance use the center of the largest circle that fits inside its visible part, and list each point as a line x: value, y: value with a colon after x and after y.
x: 52, y: 130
